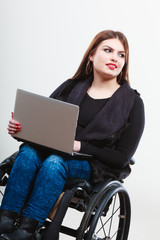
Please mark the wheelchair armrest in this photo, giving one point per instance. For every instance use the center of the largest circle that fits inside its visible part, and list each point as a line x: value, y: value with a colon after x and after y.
x: 7, y: 164
x: 5, y: 168
x: 3, y: 179
x: 132, y: 161
x: 2, y: 173
x: 77, y: 182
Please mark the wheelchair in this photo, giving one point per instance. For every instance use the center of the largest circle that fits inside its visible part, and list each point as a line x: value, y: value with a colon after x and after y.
x: 105, y: 209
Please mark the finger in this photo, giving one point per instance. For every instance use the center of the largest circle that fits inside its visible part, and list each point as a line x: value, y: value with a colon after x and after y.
x: 13, y: 127
x: 12, y: 130
x: 12, y: 115
x: 14, y: 122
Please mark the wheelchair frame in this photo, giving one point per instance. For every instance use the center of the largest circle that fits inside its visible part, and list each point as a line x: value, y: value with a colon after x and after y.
x: 105, y: 206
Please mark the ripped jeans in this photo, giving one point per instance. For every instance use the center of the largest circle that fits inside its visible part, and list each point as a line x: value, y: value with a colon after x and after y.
x: 37, y: 180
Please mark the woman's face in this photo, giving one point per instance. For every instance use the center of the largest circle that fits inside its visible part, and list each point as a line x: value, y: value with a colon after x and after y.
x: 108, y: 59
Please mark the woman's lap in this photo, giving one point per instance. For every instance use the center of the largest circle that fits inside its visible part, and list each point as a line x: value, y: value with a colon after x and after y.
x: 74, y: 167
x: 44, y: 176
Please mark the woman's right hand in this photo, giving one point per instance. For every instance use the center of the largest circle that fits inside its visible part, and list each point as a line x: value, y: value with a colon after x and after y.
x: 13, y: 126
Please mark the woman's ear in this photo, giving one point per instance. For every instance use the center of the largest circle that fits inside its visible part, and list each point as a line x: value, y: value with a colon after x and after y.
x: 91, y: 57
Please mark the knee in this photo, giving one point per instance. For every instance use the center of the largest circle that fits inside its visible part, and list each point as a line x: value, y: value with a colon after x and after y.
x: 28, y: 156
x: 55, y: 164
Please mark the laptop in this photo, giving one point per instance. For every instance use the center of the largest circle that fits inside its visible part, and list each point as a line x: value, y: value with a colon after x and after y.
x: 45, y: 121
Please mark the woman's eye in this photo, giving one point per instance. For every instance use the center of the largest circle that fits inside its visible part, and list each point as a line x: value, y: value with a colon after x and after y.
x: 122, y: 55
x: 107, y: 50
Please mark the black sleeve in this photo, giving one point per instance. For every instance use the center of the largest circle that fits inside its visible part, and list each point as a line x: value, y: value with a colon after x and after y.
x: 127, y: 144
x: 56, y: 92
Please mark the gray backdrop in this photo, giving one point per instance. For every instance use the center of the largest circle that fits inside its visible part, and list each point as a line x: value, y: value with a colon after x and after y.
x: 41, y: 45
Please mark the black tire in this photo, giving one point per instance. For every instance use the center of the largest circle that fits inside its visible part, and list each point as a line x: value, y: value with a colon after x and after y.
x: 96, y: 225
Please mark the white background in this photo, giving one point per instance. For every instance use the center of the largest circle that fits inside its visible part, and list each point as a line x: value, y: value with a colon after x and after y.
x: 41, y: 45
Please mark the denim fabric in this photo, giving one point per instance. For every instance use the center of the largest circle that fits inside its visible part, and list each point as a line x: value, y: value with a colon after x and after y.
x: 36, y: 181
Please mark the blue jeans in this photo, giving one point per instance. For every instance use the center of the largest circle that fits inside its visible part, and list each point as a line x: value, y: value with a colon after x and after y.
x: 37, y: 180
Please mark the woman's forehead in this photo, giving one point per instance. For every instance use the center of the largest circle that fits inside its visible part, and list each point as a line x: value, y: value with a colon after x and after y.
x: 112, y: 43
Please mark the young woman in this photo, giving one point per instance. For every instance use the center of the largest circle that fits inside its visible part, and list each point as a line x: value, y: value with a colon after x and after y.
x: 110, y: 125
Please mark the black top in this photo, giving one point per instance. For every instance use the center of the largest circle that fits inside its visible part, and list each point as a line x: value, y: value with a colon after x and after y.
x: 128, y: 142
x: 89, y: 108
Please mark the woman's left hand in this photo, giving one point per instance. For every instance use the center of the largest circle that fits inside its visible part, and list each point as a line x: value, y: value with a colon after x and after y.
x: 77, y: 146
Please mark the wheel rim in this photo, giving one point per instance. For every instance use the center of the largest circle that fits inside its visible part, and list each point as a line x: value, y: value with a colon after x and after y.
x: 113, y: 225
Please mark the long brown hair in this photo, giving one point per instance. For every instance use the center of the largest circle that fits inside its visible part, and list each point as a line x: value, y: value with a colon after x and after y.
x: 86, y: 69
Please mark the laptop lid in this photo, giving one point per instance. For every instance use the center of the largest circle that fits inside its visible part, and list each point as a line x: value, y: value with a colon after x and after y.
x: 45, y: 121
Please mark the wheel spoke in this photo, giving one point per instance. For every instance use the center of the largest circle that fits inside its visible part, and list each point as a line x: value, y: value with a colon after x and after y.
x: 1, y: 193
x: 114, y: 234
x: 112, y: 215
x: 108, y: 219
x: 103, y: 227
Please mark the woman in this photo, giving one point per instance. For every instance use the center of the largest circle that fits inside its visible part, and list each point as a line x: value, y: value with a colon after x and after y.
x: 110, y: 125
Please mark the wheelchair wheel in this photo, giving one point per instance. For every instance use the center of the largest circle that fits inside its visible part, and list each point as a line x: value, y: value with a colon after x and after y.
x: 108, y: 216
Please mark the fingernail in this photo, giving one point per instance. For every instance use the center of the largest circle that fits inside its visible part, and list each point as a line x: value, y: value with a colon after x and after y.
x: 18, y: 124
x: 18, y: 127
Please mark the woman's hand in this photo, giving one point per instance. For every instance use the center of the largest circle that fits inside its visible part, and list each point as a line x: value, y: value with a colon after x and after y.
x: 77, y: 146
x: 13, y: 126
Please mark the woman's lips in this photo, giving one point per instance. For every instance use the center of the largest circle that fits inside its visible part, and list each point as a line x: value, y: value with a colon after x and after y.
x: 111, y: 65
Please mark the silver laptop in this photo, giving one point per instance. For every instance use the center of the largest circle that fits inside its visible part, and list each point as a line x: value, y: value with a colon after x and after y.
x: 46, y: 121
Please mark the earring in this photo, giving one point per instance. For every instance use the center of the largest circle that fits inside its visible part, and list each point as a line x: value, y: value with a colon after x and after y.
x: 119, y: 78
x: 88, y: 67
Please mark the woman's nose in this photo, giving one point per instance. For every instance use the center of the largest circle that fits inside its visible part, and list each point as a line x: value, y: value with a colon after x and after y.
x: 114, y: 57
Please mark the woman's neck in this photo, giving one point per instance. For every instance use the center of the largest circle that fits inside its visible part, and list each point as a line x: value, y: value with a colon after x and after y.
x: 101, y: 88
